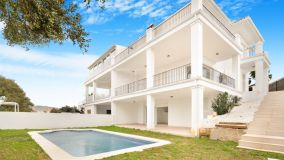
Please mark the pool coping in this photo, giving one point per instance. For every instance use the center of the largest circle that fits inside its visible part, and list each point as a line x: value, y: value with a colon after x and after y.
x: 57, y: 153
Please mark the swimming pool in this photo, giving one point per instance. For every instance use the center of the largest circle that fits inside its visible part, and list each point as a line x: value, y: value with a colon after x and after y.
x: 90, y: 144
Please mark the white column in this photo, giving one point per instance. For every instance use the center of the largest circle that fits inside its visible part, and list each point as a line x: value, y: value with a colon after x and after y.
x: 114, y: 81
x: 266, y: 81
x: 196, y: 109
x: 236, y: 69
x: 196, y: 5
x: 94, y: 90
x: 95, y: 109
x: 259, y: 77
x: 113, y: 112
x: 259, y: 48
x: 150, y: 112
x: 196, y: 49
x: 86, y: 91
x: 150, y: 69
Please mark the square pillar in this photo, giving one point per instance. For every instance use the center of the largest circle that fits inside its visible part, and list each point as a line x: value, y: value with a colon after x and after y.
x: 150, y: 112
x: 246, y: 82
x: 94, y: 90
x: 259, y: 76
x: 266, y: 80
x: 150, y: 69
x: 236, y: 69
x: 197, y: 49
x: 114, y: 80
x: 95, y: 109
x: 196, y: 109
x: 113, y: 112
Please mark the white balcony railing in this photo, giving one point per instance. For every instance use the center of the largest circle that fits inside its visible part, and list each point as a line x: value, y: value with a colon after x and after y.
x: 176, y: 75
x: 224, y: 26
x: 174, y: 20
x: 131, y: 87
x: 172, y: 76
x: 101, y: 67
x: 212, y: 74
x: 130, y: 50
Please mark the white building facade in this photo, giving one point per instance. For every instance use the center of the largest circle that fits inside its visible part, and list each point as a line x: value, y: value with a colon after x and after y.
x: 171, y: 74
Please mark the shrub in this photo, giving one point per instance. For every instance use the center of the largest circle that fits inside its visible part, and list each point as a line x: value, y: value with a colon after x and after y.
x: 224, y: 103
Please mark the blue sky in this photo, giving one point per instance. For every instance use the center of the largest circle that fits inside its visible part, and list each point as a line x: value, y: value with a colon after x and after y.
x: 54, y: 74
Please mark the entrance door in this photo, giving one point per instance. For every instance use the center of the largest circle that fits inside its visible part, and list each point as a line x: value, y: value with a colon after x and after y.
x: 162, y: 115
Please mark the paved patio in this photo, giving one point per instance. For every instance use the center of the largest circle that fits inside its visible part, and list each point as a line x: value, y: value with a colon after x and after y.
x: 180, y: 131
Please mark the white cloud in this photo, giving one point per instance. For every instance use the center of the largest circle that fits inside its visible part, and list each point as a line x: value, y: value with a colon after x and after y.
x: 131, y: 8
x: 235, y: 7
x: 48, y: 79
x: 71, y: 61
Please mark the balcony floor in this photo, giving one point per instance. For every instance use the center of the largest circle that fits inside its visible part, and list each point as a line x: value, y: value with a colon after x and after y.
x: 162, y: 128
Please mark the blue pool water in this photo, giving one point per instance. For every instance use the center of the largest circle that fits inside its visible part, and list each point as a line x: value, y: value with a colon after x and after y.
x: 88, y: 142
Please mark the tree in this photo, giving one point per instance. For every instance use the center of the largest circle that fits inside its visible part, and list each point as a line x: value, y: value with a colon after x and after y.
x: 39, y: 22
x: 252, y: 75
x: 66, y: 109
x: 14, y: 93
x: 224, y: 103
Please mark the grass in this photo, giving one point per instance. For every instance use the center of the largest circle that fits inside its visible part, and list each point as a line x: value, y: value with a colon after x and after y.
x: 17, y: 145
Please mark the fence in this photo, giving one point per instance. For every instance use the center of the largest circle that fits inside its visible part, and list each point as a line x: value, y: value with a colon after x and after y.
x: 31, y: 120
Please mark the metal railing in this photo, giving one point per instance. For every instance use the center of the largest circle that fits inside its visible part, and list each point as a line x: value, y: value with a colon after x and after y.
x: 217, y: 76
x: 177, y: 18
x: 219, y: 23
x: 101, y: 67
x: 101, y: 96
x: 130, y: 50
x: 172, y: 76
x: 131, y: 87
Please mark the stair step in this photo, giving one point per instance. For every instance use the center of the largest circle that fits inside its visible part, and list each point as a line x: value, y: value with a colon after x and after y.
x: 262, y: 146
x: 263, y: 139
x: 233, y: 123
x: 265, y: 132
x: 234, y: 126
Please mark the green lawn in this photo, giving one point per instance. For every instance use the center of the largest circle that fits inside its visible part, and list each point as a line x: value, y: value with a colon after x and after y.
x: 17, y: 145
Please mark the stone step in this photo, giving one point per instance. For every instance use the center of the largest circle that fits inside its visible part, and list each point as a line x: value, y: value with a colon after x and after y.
x: 233, y: 123
x: 233, y: 126
x: 265, y: 132
x: 263, y: 139
x: 277, y: 148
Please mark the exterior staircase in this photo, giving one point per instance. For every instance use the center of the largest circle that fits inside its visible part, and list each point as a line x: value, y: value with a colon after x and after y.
x: 266, y: 131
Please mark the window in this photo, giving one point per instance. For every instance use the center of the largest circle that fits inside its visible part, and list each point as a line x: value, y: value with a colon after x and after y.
x: 89, y: 111
x: 108, y: 111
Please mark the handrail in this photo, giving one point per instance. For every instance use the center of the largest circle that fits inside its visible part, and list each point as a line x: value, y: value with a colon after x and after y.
x: 212, y: 74
x: 221, y: 24
x: 131, y: 87
x: 172, y: 75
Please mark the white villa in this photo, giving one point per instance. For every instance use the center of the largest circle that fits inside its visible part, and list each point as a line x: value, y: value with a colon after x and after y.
x: 170, y: 75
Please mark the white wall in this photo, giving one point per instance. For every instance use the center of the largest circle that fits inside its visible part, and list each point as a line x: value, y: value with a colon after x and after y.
x: 129, y: 113
x: 179, y: 112
x: 90, y: 107
x: 30, y: 120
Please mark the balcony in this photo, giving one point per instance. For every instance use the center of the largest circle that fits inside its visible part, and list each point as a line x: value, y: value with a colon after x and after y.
x: 179, y: 17
x: 130, y: 50
x: 217, y: 76
x: 131, y: 87
x: 218, y: 19
x: 106, y: 64
x: 174, y: 76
